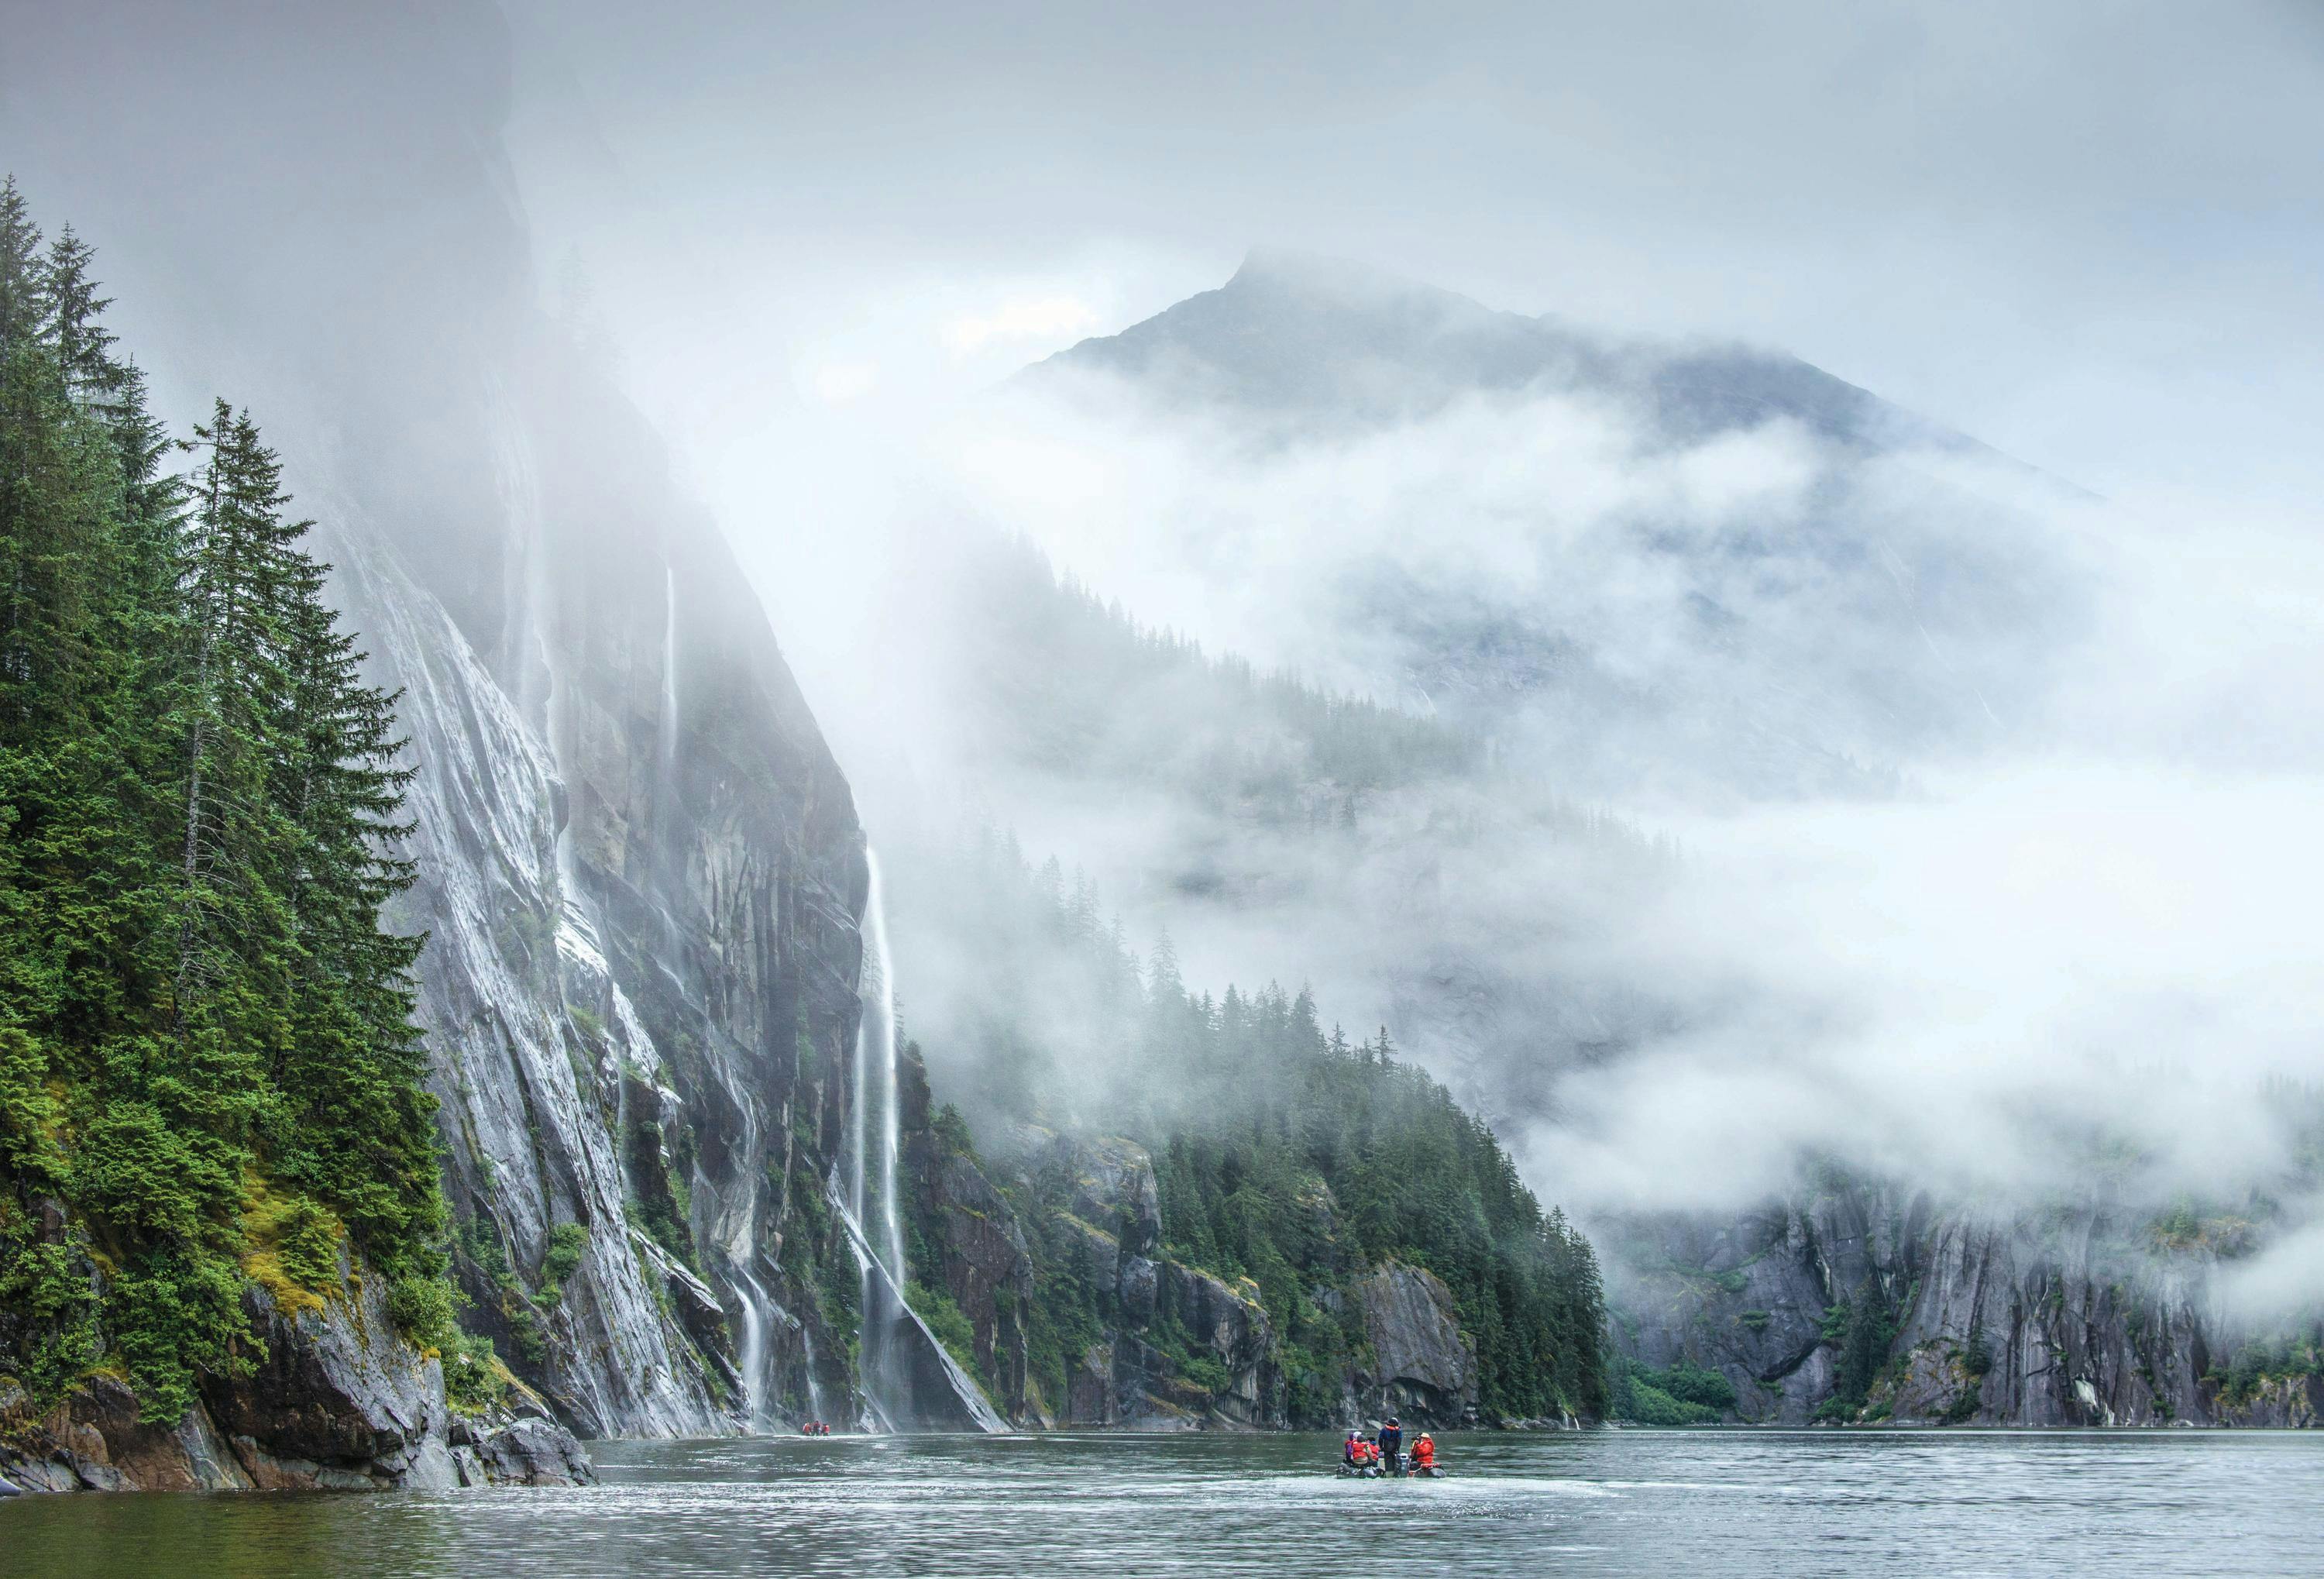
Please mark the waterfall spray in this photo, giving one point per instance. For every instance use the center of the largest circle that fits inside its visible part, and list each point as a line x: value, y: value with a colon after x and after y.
x: 813, y: 1386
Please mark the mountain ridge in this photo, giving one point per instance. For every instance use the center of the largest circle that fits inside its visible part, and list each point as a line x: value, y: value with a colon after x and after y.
x: 1278, y: 299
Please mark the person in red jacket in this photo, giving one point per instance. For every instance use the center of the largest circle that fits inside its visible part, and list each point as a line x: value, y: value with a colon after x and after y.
x: 1424, y: 1455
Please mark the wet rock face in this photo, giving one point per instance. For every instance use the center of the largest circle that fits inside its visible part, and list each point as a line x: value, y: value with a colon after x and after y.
x: 338, y: 1402
x: 337, y: 1394
x: 92, y: 1442
x: 525, y: 1027
x: 640, y: 867
x: 641, y: 874
x: 984, y: 1265
x: 2068, y: 1318
x: 1425, y: 1368
x: 1108, y: 1184
x: 1218, y: 1368
x: 2283, y: 1403
x: 1227, y: 1324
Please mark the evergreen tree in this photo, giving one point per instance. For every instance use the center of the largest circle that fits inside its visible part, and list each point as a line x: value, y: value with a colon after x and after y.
x: 207, y: 1071
x: 1255, y: 1117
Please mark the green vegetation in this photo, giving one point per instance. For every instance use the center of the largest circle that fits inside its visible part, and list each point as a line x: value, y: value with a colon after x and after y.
x: 951, y: 1326
x: 2286, y: 1356
x: 208, y: 1072
x: 1342, y: 1156
x: 1863, y: 1330
x: 1282, y: 1154
x: 560, y: 1261
x: 1683, y: 1395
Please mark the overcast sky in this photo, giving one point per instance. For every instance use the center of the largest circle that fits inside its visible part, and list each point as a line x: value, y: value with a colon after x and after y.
x: 2088, y: 233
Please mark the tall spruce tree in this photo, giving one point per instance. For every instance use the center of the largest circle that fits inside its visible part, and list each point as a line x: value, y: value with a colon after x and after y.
x: 208, y: 1070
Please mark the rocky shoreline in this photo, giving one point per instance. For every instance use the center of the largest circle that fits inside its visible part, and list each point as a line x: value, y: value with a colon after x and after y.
x: 335, y: 1401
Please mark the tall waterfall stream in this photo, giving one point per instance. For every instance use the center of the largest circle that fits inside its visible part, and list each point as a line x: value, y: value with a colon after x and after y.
x: 871, y: 1167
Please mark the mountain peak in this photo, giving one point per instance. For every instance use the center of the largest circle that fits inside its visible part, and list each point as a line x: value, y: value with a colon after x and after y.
x: 1295, y: 331
x: 1318, y: 342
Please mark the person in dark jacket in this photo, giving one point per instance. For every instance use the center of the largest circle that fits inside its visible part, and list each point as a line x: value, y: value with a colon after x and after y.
x: 1391, y: 1444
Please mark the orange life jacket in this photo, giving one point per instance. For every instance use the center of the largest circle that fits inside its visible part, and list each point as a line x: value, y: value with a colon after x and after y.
x: 1424, y: 1452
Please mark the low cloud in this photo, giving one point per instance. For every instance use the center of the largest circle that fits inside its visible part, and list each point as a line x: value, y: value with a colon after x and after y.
x: 2045, y: 924
x: 1051, y: 318
x: 839, y: 383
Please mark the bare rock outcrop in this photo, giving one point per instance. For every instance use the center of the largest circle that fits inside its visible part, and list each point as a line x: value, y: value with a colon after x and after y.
x: 338, y: 1400
x: 1424, y: 1366
x: 2074, y: 1315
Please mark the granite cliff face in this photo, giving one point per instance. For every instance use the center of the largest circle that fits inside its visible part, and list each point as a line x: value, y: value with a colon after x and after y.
x: 1424, y: 1367
x: 2076, y: 1315
x: 569, y: 948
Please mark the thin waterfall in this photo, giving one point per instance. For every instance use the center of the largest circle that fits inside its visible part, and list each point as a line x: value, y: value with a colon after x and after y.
x: 741, y: 1248
x: 755, y: 1348
x: 889, y: 1325
x: 875, y: 914
x: 813, y: 1386
x: 900, y: 1319
x: 622, y: 1141
x: 881, y: 1305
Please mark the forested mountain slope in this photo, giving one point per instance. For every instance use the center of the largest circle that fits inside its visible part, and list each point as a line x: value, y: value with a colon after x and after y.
x: 1187, y: 1208
x: 1517, y: 527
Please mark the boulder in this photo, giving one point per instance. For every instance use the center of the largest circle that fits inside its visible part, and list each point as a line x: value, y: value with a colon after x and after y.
x: 528, y: 1451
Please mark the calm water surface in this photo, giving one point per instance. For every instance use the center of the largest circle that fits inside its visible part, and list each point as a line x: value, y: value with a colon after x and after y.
x: 1740, y: 1502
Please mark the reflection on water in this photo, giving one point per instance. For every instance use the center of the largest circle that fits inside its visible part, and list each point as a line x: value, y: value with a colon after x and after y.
x: 1951, y: 1502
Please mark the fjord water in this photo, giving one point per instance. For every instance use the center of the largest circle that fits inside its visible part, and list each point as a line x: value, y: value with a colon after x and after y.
x: 1730, y: 1502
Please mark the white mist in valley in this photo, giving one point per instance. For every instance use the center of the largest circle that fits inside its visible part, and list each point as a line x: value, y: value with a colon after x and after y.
x: 1777, y: 776
x: 1970, y: 850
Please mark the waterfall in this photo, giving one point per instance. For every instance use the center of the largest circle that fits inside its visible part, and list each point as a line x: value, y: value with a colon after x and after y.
x: 754, y: 1347
x: 813, y: 1386
x: 875, y: 1072
x: 741, y: 1248
x: 889, y: 1325
x: 899, y: 1320
x: 875, y: 917
x: 621, y: 1142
